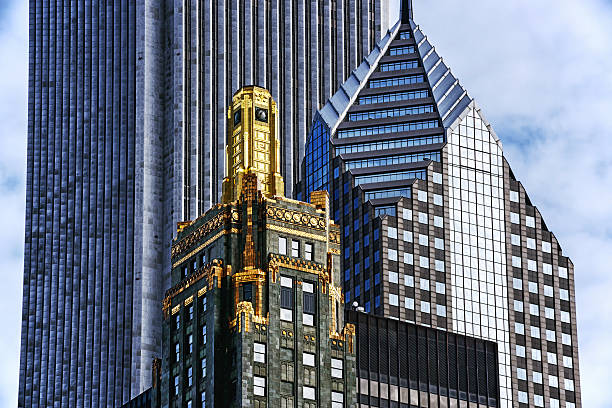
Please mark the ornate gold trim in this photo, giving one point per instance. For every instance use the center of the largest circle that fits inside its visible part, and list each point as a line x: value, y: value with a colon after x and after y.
x: 285, y: 230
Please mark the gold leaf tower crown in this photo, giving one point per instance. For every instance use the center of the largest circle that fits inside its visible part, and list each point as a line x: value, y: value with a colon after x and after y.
x: 252, y: 144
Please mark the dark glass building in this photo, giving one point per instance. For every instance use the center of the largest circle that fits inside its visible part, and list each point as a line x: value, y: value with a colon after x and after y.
x: 437, y: 231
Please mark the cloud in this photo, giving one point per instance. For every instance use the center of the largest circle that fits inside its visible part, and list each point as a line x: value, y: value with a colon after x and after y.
x: 542, y: 72
x: 13, y: 137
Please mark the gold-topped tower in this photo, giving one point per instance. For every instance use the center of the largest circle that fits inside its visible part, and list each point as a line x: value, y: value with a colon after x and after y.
x: 253, y: 145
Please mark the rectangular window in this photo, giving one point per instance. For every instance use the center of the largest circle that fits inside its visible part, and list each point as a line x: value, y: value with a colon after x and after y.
x: 308, y: 251
x: 189, y: 376
x: 203, y: 367
x: 309, y: 298
x: 259, y: 350
x: 308, y: 393
x: 295, y: 248
x: 190, y: 342
x: 259, y: 386
x: 392, y: 255
x: 176, y: 384
x: 308, y: 359
x: 177, y: 353
x: 204, y: 334
x: 286, y: 298
x: 336, y: 368
x: 282, y: 245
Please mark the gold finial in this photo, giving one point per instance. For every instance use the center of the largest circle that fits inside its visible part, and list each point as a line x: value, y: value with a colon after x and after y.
x: 253, y: 145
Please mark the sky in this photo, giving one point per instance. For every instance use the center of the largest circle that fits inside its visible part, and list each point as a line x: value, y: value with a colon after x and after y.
x: 542, y: 73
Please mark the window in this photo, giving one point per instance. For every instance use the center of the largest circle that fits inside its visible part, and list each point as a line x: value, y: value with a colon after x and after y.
x: 337, y: 399
x: 564, y: 294
x: 408, y: 258
x: 537, y: 377
x: 520, y: 351
x: 546, y: 247
x: 566, y: 339
x: 515, y: 218
x: 530, y: 221
x: 437, y: 178
x: 422, y: 196
x: 438, y: 199
x: 259, y: 350
x: 295, y: 248
x: 356, y: 246
x: 550, y: 313
x: 522, y: 396
x: 440, y: 288
x: 441, y: 310
x: 392, y: 255
x: 538, y: 400
x: 203, y: 398
x: 408, y: 236
x: 393, y: 97
x: 535, y: 332
x: 308, y: 251
x: 190, y: 342
x: 176, y: 384
x: 189, y: 376
x: 408, y: 49
x: 531, y: 243
x: 177, y: 352
x: 407, y: 215
x: 423, y: 219
x: 439, y: 243
x: 438, y: 222
x: 247, y: 291
x: 203, y: 367
x: 550, y: 336
x: 517, y: 283
x: 534, y: 310
x: 309, y: 298
x: 518, y: 306
x: 177, y: 321
x: 336, y: 368
x: 563, y: 272
x: 547, y: 268
x: 423, y: 240
x: 516, y: 261
x: 409, y: 280
x: 286, y: 297
x: 391, y: 113
x: 553, y: 381
x: 519, y: 328
x: 565, y: 317
x: 425, y: 307
x: 204, y: 334
x: 424, y: 262
x: 515, y: 239
x: 308, y: 393
x: 532, y: 265
x: 521, y: 374
x: 388, y: 129
x: 392, y: 232
x: 551, y: 358
x: 409, y: 303
x: 536, y: 355
x: 259, y: 386
x: 393, y: 300
x: 439, y: 265
x: 424, y: 284
x: 393, y: 277
x: 308, y: 359
x: 282, y: 245
x: 514, y: 196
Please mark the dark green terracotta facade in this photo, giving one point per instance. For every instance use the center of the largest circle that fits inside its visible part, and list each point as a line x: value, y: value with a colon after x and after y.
x: 255, y: 316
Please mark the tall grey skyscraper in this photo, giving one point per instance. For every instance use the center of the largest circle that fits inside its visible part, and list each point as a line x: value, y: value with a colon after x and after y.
x: 127, y: 108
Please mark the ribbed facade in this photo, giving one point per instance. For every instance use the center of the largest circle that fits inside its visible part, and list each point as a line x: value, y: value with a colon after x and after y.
x: 126, y: 128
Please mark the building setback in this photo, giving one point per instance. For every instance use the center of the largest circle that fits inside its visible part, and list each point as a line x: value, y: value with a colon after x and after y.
x: 126, y: 128
x: 436, y: 230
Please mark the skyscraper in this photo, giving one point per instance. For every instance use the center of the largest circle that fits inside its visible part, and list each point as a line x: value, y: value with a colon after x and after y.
x: 126, y: 131
x: 255, y: 314
x: 438, y: 231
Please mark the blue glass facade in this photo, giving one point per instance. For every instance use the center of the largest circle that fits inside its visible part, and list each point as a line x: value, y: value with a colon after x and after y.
x: 317, y: 158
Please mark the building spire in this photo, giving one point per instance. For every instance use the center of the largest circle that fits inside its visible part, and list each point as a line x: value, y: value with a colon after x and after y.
x: 406, y: 11
x: 252, y: 144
